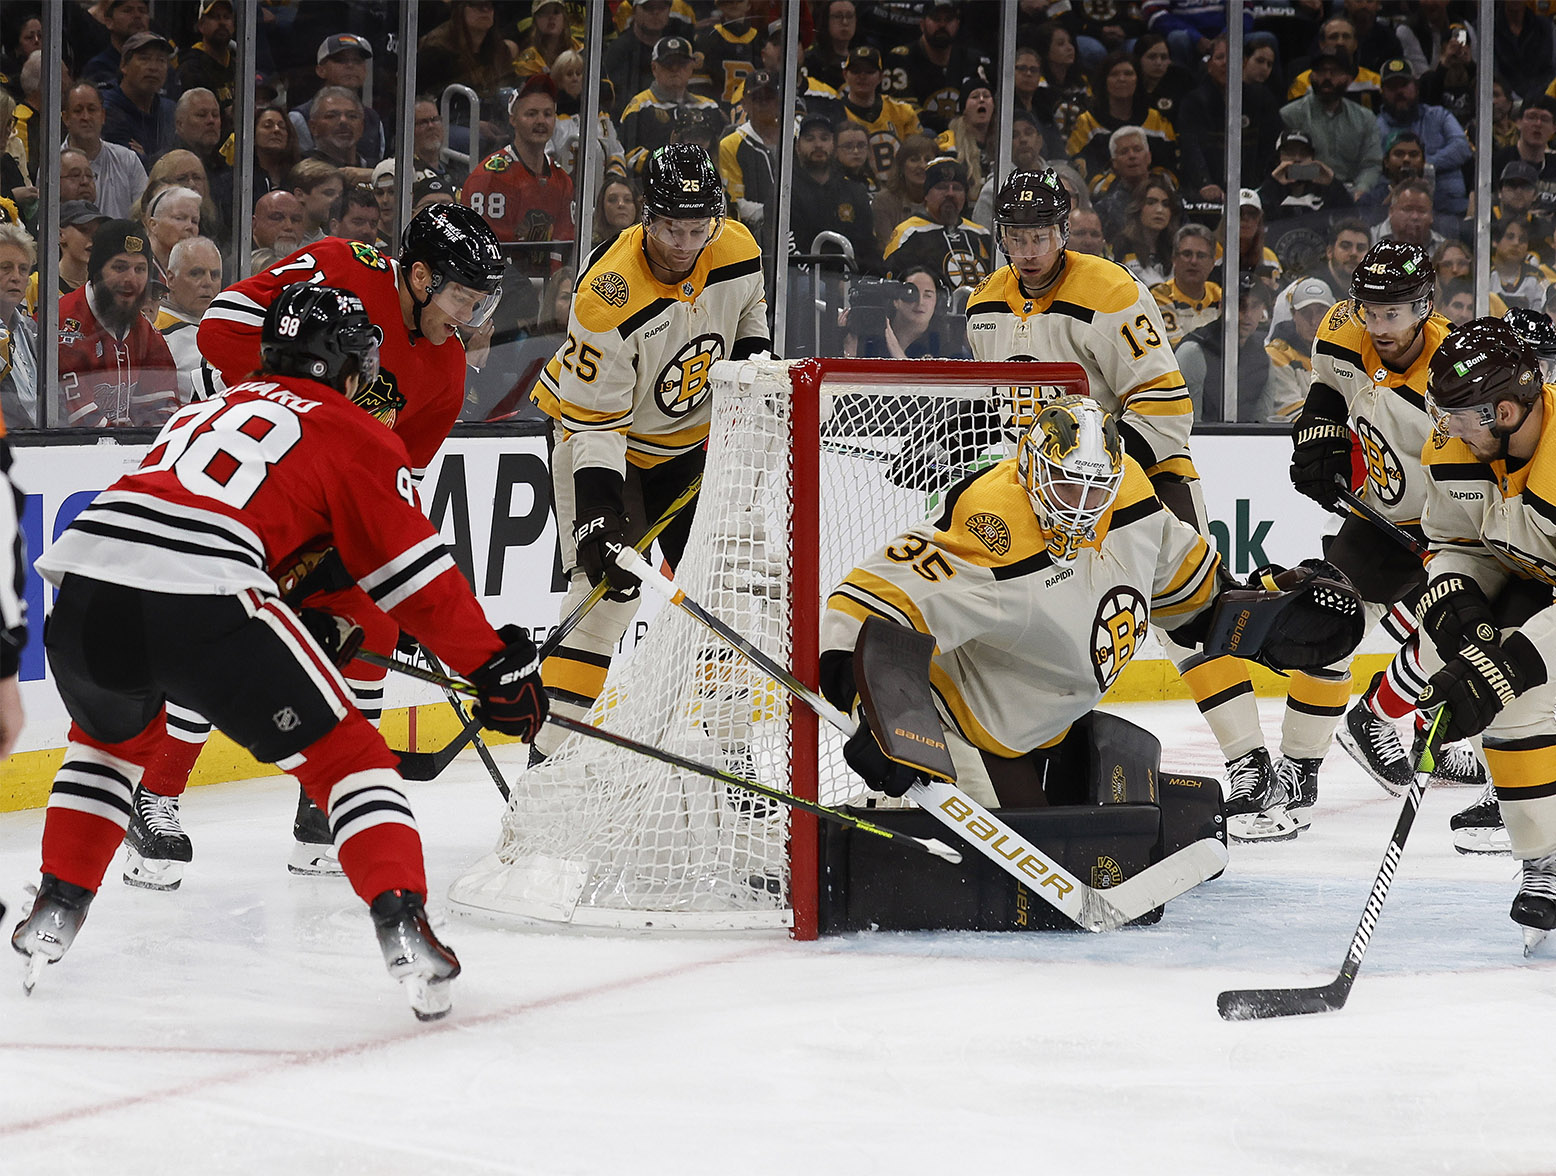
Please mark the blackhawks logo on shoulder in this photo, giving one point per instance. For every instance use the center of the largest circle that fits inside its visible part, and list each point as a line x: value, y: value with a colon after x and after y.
x: 991, y: 531
x: 368, y: 256
x: 612, y: 287
x: 496, y: 163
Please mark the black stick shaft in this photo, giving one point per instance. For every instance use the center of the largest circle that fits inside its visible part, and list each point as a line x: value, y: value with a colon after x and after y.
x: 1392, y: 529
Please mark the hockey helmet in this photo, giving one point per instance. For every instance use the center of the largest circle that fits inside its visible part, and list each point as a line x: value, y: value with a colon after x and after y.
x: 1536, y: 329
x: 1034, y: 201
x: 1395, y: 272
x: 1476, y: 367
x: 319, y: 333
x: 683, y: 198
x: 1071, y: 464
x: 460, y: 250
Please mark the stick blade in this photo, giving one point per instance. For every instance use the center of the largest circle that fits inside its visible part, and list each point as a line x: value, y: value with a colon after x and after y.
x: 1262, y: 1004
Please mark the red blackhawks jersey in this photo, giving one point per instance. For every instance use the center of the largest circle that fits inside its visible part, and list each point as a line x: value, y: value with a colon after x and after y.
x: 431, y: 379
x: 234, y: 487
x: 522, y: 206
x: 110, y: 381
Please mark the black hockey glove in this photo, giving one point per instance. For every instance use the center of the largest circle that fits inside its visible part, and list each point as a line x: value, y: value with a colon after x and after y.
x: 1320, y: 459
x: 598, y: 526
x: 865, y: 757
x: 1454, y: 610
x: 512, y: 699
x: 338, y: 637
x: 1477, y: 683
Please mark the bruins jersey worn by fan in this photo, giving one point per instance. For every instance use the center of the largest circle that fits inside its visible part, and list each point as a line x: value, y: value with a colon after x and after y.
x: 167, y: 591
x: 888, y: 123
x: 726, y: 53
x: 961, y: 256
x: 523, y: 206
x: 1490, y: 520
x: 629, y: 392
x: 1182, y: 313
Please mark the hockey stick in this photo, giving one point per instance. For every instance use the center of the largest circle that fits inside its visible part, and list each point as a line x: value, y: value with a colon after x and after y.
x: 454, y: 685
x: 1254, y: 1004
x: 1390, y: 528
x: 1091, y: 909
x: 470, y: 726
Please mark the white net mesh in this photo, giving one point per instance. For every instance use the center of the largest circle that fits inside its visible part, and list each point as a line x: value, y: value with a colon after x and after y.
x: 598, y: 835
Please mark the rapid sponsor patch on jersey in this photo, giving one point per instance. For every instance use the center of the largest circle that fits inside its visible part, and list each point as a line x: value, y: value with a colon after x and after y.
x: 612, y: 287
x: 1117, y: 632
x: 683, y: 382
x: 368, y: 256
x: 991, y: 531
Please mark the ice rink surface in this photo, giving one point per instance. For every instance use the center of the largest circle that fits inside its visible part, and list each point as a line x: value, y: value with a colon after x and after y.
x: 245, y: 1024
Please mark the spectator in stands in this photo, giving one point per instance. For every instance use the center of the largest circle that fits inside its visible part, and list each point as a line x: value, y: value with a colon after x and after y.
x: 279, y: 221
x: 1338, y: 35
x: 704, y: 127
x: 726, y: 53
x: 171, y: 216
x: 427, y: 141
x: 336, y: 124
x: 197, y: 128
x: 1504, y: 127
x: 78, y: 222
x: 1151, y: 222
x: 1517, y: 282
x: 119, y: 172
x: 887, y: 121
x: 467, y: 49
x: 628, y: 59
x: 1117, y: 103
x: 1410, y: 217
x: 210, y: 63
x: 1129, y: 152
x: 1190, y: 28
x: 1450, y: 82
x: 1086, y: 233
x: 431, y: 190
x: 1447, y: 150
x: 1516, y: 195
x: 1456, y: 302
x: 972, y: 135
x: 1290, y: 346
x: 386, y: 194
x: 355, y: 217
x: 1028, y: 74
x: 549, y: 38
x: 1259, y: 69
x: 1163, y: 82
x: 1524, y: 47
x: 138, y: 117
x: 1199, y: 359
x: 1536, y: 128
x: 1344, y: 135
x: 1062, y: 90
x: 1026, y: 142
x: 1453, y: 259
x: 1376, y: 41
x: 183, y: 169
x: 18, y: 332
x: 76, y: 181
x: 23, y: 37
x: 114, y: 368
x: 276, y: 149
x: 124, y: 19
x: 1189, y: 300
x: 901, y: 194
x: 342, y: 61
x: 1347, y: 243
x: 648, y: 121
x: 1404, y: 158
x: 748, y: 159
x: 825, y: 200
x: 567, y: 71
x: 194, y: 275
x: 317, y: 185
x: 851, y: 145
x: 1203, y: 152
x: 933, y: 66
x: 618, y: 208
x: 1300, y: 198
x: 953, y: 248
x: 837, y: 23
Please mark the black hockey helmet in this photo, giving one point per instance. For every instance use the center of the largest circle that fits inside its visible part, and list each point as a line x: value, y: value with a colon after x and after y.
x: 1394, y: 271
x: 459, y: 247
x: 1033, y: 198
x: 319, y: 333
x: 1534, y: 328
x: 681, y: 183
x: 1481, y: 363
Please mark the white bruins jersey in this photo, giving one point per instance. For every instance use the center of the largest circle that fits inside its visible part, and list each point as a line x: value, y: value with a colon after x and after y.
x: 1100, y: 316
x: 1026, y: 642
x: 632, y: 379
x: 1387, y: 408
x: 1492, y: 524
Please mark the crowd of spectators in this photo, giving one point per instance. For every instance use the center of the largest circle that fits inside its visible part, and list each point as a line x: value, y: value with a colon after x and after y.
x: 1358, y: 117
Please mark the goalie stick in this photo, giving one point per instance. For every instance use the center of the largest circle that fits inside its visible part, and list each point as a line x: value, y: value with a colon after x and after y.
x: 1254, y: 1004
x: 454, y: 685
x: 1089, y: 908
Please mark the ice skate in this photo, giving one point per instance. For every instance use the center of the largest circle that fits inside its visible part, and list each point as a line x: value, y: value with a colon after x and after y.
x: 413, y: 954
x: 46, y: 934
x: 1298, y: 779
x: 1255, y: 801
x: 1479, y: 828
x: 314, y: 854
x: 1534, y: 907
x: 1457, y: 765
x: 156, y: 846
x: 1374, y: 744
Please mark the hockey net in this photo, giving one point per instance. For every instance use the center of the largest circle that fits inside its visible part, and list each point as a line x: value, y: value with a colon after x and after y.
x: 811, y: 464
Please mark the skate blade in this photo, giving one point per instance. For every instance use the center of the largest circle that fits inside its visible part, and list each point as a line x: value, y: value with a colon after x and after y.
x: 1276, y: 824
x: 1482, y: 841
x: 430, y: 999
x: 1343, y: 738
x: 314, y: 861
x: 1533, y: 937
x: 36, y: 961
x: 152, y: 873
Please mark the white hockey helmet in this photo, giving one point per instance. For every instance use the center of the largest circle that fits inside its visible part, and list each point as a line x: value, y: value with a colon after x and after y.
x: 1071, y: 462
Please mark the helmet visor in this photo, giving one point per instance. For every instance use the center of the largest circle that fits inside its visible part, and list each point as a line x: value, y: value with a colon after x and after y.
x: 1031, y: 241
x: 1383, y: 318
x: 465, y: 306
x: 1458, y: 422
x: 683, y: 234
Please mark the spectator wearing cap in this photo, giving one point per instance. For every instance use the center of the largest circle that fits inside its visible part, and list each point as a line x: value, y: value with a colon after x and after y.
x: 933, y: 68
x: 194, y: 276
x: 520, y: 192
x: 1300, y: 199
x: 1344, y: 135
x: 1129, y: 157
x: 279, y: 227
x: 1290, y: 345
x: 138, y: 116
x: 628, y: 58
x: 119, y: 172
x: 1450, y: 81
x: 18, y: 332
x: 1189, y: 299
x: 1409, y: 216
x: 430, y: 190
x: 726, y: 53
x: 124, y: 19
x: 1536, y: 129
x: 1117, y: 102
x: 342, y: 60
x: 1199, y: 359
x: 549, y: 37
x: 972, y: 135
x: 210, y: 63
x: 1203, y: 153
x: 1253, y: 255
x: 956, y: 250
x: 114, y: 368
x: 335, y: 121
x: 386, y: 193
x: 1447, y: 150
x: 1523, y: 46
x: 748, y: 158
x: 317, y: 185
x: 887, y: 121
x: 1516, y: 193
x: 828, y: 201
x: 78, y: 222
x: 1338, y: 35
x: 837, y: 27
x: 648, y: 122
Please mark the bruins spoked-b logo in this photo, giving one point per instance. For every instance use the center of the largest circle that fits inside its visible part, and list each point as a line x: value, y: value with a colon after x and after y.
x: 683, y: 384
x: 1385, y: 472
x: 1117, y: 632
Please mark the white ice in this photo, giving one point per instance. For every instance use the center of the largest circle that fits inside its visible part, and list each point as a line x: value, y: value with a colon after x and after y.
x: 245, y: 1024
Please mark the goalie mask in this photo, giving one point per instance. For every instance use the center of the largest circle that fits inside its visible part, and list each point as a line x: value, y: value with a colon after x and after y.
x: 1071, y: 464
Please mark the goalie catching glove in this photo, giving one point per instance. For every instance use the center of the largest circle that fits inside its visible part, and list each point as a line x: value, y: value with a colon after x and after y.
x: 512, y: 699
x: 1302, y: 618
x: 1477, y: 683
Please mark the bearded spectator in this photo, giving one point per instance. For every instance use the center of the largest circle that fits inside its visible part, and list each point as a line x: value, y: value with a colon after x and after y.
x: 279, y: 227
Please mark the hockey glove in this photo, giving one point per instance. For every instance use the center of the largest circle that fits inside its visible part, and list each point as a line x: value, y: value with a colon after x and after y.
x: 512, y: 699
x: 1477, y: 683
x: 1320, y: 459
x: 870, y: 763
x: 338, y: 637
x: 1454, y: 611
x: 596, y: 537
